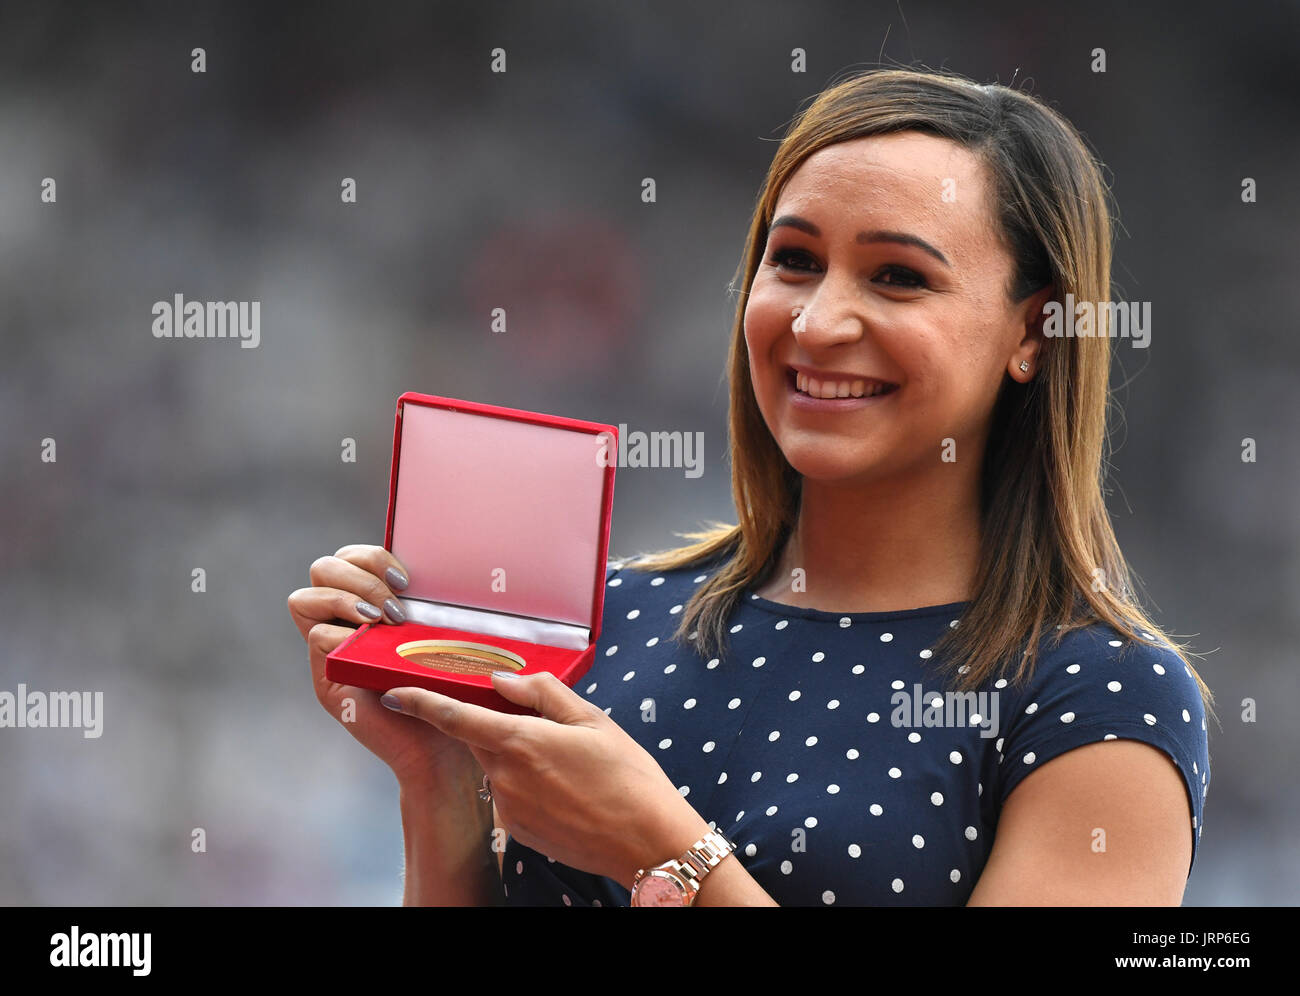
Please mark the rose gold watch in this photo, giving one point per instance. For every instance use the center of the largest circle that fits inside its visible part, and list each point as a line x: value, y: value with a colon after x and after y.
x: 677, y: 882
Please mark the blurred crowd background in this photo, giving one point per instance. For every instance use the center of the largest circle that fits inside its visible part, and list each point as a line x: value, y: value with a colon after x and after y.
x: 522, y: 190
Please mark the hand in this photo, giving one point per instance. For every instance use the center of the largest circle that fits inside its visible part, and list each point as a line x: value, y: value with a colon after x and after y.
x: 570, y: 784
x: 353, y: 586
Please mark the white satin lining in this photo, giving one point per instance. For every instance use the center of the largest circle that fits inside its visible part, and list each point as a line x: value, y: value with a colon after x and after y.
x: 566, y: 636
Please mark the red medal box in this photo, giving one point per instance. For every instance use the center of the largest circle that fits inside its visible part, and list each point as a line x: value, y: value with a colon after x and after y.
x: 501, y: 518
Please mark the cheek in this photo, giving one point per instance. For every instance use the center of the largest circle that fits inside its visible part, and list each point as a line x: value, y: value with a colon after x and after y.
x: 958, y: 380
x: 767, y: 314
x: 947, y: 375
x: 981, y: 368
x: 916, y: 353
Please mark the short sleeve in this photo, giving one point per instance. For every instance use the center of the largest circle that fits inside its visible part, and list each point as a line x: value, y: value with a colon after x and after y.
x: 1099, y: 685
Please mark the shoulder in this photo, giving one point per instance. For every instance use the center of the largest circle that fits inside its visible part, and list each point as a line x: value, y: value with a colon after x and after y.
x: 628, y: 575
x: 1097, y: 685
x: 1114, y: 679
x: 645, y: 604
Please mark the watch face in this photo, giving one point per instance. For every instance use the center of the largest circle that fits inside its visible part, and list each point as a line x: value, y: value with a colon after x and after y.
x: 659, y: 890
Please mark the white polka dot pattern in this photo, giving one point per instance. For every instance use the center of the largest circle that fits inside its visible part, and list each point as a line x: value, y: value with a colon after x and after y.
x: 852, y: 781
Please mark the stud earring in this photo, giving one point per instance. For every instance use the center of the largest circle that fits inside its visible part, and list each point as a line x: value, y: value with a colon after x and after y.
x: 1024, y: 366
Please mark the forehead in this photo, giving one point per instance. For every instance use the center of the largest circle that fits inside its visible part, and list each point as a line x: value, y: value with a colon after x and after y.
x: 896, y: 181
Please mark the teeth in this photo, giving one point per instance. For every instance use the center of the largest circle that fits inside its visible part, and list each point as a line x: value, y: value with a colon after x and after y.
x: 837, y: 389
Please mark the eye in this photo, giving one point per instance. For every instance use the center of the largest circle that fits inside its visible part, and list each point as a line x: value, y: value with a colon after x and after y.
x: 902, y: 277
x: 910, y: 278
x: 786, y: 257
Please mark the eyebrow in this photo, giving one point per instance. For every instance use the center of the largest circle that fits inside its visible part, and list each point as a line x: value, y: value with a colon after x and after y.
x: 863, y: 238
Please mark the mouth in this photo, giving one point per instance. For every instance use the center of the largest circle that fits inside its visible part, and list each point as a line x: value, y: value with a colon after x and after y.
x: 843, y: 391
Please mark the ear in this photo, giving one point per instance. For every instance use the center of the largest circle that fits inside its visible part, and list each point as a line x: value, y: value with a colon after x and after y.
x: 1029, y: 349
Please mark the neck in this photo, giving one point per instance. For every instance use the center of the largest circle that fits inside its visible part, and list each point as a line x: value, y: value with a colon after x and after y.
x: 887, y: 547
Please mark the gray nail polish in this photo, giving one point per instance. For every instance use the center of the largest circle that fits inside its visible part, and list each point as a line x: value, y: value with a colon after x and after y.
x: 394, y: 610
x: 396, y: 579
x: 369, y: 611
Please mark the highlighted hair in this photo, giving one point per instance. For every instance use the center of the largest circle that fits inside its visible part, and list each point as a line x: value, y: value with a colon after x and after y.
x: 1049, y: 561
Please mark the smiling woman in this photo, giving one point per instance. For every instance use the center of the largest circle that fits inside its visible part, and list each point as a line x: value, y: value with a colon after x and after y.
x: 907, y: 446
x: 917, y: 472
x: 912, y: 229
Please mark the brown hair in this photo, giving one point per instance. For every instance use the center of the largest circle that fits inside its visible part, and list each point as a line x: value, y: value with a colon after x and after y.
x: 1049, y: 559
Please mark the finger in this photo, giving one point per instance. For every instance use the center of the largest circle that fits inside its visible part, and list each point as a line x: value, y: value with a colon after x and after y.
x: 548, y: 695
x: 310, y: 606
x: 333, y: 695
x: 475, y: 725
x: 336, y: 572
x: 321, y: 639
x: 379, y: 562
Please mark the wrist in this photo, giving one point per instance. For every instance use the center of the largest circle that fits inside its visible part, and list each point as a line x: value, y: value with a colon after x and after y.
x: 443, y: 796
x: 680, y: 881
x: 447, y: 838
x: 730, y: 884
x: 664, y: 838
x: 449, y: 767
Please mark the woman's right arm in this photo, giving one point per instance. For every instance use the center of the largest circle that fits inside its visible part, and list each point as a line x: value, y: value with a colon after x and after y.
x: 448, y: 833
x: 447, y: 828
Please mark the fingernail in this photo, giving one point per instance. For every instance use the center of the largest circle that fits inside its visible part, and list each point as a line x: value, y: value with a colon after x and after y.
x: 394, y: 610
x: 392, y: 702
x: 503, y: 673
x: 396, y: 579
x: 369, y: 611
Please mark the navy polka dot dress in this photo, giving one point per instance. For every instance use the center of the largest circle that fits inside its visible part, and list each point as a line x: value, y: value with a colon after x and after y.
x: 810, y: 747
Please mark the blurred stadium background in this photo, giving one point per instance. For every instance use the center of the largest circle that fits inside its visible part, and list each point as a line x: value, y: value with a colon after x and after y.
x: 522, y: 190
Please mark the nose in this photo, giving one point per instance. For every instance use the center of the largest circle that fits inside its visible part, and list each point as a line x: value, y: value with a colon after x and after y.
x: 833, y: 313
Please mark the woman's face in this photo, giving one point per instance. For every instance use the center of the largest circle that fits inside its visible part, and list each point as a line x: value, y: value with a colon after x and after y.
x: 849, y: 290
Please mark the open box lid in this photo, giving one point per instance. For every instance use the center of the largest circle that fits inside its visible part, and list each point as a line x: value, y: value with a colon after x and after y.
x: 501, y: 517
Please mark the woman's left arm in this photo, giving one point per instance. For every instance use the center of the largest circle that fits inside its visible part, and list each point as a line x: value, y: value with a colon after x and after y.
x: 1105, y: 824
x: 574, y: 786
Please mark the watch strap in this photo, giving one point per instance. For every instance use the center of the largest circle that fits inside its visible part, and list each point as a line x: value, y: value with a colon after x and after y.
x: 704, y: 855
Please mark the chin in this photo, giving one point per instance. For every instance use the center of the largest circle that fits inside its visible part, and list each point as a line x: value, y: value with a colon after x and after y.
x: 822, y: 463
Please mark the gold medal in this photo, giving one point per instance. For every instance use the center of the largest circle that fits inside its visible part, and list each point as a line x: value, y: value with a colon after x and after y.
x: 459, y: 657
